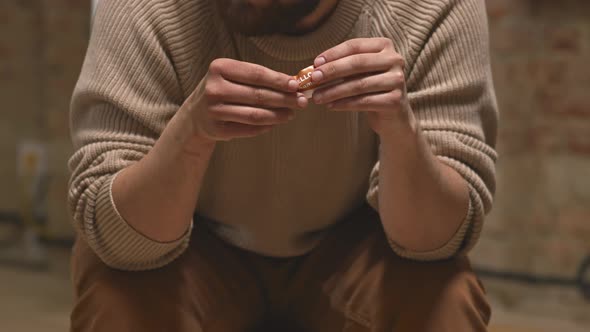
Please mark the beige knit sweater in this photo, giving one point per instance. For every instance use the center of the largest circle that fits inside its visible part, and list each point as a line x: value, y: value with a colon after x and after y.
x: 276, y: 194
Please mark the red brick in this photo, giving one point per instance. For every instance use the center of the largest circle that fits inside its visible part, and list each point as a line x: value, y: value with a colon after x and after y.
x: 550, y: 70
x: 580, y: 75
x: 564, y: 38
x: 513, y: 142
x: 513, y: 38
x: 502, y: 9
x: 565, y: 101
x: 545, y: 139
x: 580, y: 145
x: 561, y: 10
x: 575, y: 220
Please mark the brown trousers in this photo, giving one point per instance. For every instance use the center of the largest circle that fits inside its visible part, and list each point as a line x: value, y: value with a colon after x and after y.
x: 351, y: 282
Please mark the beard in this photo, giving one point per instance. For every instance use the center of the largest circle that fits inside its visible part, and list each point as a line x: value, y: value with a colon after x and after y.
x: 245, y: 18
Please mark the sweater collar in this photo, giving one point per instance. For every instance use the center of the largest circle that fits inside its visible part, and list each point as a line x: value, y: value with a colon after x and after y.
x: 330, y: 33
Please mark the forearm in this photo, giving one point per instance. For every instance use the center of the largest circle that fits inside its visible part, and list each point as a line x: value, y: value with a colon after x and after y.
x: 423, y: 201
x: 157, y: 195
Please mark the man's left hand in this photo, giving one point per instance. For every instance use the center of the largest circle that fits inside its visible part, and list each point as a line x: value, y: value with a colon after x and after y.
x: 373, y: 81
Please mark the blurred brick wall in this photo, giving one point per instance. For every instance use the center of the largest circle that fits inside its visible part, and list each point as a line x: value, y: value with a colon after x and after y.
x: 541, y: 218
x: 42, y: 45
x: 540, y: 224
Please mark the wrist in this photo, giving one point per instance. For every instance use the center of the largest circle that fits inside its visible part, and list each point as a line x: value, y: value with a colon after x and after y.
x: 399, y: 133
x: 180, y: 141
x: 198, y: 146
x: 193, y: 141
x: 406, y: 141
x: 400, y: 122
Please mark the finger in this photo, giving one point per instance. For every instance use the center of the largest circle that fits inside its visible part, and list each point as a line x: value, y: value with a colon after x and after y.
x: 223, y: 91
x: 369, y: 102
x: 252, y: 115
x: 261, y: 97
x: 356, y: 64
x: 229, y: 130
x: 253, y: 74
x: 351, y: 47
x: 359, y: 85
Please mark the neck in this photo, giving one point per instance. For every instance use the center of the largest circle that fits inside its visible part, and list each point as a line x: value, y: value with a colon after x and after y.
x: 317, y: 17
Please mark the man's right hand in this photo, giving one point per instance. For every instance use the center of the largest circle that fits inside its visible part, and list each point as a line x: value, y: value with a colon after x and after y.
x: 239, y: 99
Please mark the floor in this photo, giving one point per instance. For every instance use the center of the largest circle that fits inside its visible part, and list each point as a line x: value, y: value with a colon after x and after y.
x: 40, y: 301
x: 35, y: 300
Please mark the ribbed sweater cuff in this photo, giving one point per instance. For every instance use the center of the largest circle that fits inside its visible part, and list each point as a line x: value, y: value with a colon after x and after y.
x: 450, y: 248
x: 122, y: 247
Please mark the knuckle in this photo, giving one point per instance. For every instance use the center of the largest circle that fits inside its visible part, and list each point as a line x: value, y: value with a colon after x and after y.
x: 396, y: 95
x: 356, y: 48
x: 388, y: 43
x: 364, y: 101
x: 213, y: 91
x: 330, y: 70
x: 399, y: 77
x: 219, y: 112
x: 349, y: 45
x: 256, y: 116
x: 362, y: 85
x: 217, y: 66
x: 257, y: 73
x: 353, y: 46
x: 259, y: 96
x: 391, y: 58
x: 346, y: 48
x: 357, y: 62
x: 215, y: 111
x: 399, y: 60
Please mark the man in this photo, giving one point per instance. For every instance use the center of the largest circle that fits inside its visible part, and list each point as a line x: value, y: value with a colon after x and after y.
x: 211, y: 196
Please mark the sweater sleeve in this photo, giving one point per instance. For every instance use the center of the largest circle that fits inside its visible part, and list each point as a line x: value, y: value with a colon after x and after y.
x: 125, y: 95
x: 451, y: 94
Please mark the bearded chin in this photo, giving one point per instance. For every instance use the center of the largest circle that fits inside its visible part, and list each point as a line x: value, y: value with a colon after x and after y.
x: 248, y: 20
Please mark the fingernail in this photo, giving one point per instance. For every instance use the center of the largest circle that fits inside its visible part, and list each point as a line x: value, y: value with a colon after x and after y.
x: 317, y: 76
x: 319, y: 61
x: 301, y: 101
x: 293, y: 85
x: 330, y: 105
